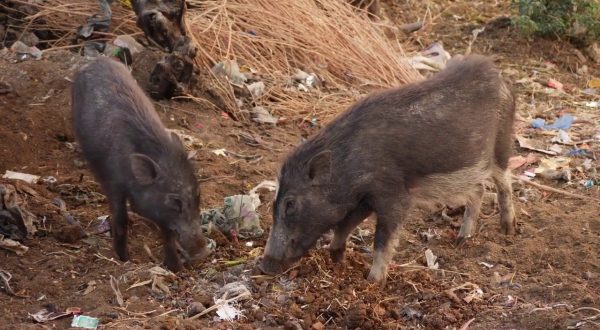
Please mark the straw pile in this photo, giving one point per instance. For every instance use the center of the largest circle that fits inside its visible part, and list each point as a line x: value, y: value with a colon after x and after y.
x: 274, y: 38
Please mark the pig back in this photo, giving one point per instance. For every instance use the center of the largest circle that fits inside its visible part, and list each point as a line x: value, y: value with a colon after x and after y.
x: 113, y: 118
x: 445, y: 124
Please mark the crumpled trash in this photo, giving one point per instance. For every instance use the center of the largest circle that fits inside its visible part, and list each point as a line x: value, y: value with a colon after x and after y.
x: 432, y: 58
x: 578, y: 152
x: 228, y: 294
x: 256, y: 89
x: 410, y: 313
x: 189, y: 142
x: 238, y: 216
x: 124, y: 47
x: 306, y: 81
x: 535, y: 145
x: 93, y: 49
x: 519, y: 161
x: 562, y: 137
x: 49, y: 312
x: 262, y: 115
x: 128, y: 42
x: 15, y: 223
x: 554, y: 168
x: 563, y: 122
x: 97, y: 22
x: 231, y: 70
x: 431, y: 259
x: 29, y: 178
x: 24, y: 51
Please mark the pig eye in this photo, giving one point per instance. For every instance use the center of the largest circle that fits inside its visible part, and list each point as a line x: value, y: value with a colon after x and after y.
x: 290, y: 206
x: 175, y: 203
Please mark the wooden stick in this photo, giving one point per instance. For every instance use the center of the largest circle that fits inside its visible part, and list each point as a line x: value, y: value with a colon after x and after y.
x: 555, y: 190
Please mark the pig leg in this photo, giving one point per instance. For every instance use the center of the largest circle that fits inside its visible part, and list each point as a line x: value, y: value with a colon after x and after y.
x: 337, y: 246
x: 507, y: 211
x: 171, y: 260
x: 120, y: 223
x: 390, y: 214
x: 471, y: 214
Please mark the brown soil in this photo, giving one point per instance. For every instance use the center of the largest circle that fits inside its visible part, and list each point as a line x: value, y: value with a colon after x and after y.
x: 553, y: 260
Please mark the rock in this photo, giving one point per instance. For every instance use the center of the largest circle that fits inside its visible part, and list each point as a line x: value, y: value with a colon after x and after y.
x: 70, y: 233
x: 29, y: 39
x: 356, y: 315
x: 195, y: 308
x: 282, y: 299
x: 292, y: 325
x: 318, y: 326
x: 593, y: 51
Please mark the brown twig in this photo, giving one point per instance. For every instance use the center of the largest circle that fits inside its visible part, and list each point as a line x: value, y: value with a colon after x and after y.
x: 554, y: 190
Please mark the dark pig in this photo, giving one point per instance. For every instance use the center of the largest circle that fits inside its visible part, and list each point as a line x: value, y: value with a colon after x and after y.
x: 427, y: 143
x: 136, y: 159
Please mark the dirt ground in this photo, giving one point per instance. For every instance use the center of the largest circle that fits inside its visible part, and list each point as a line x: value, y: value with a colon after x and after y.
x: 545, y: 277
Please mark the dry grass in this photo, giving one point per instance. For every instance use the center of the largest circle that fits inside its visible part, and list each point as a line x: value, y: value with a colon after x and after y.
x: 276, y: 38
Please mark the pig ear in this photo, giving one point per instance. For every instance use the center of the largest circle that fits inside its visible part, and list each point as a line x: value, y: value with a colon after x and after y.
x: 177, y: 141
x: 319, y: 167
x: 144, y: 169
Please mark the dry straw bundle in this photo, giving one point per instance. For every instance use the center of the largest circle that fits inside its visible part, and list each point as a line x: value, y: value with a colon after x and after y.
x: 63, y: 17
x: 328, y: 37
x: 275, y: 38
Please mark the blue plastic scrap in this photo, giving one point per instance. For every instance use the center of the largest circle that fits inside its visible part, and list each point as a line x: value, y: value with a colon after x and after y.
x: 576, y: 152
x: 563, y: 122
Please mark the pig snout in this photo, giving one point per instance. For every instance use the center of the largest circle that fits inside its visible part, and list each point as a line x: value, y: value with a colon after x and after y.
x: 271, y: 266
x: 280, y: 254
x: 192, y: 244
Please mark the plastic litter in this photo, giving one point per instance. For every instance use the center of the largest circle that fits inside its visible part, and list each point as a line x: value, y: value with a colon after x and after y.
x: 562, y: 137
x: 553, y: 83
x: 24, y: 51
x: 97, y: 22
x: 231, y: 70
x: 589, y: 183
x: 534, y: 145
x: 519, y: 161
x: 554, y: 168
x: 85, y: 322
x: 238, y: 216
x: 262, y: 115
x: 592, y: 104
x: 16, y: 223
x: 257, y: 89
x: 563, y: 122
x: 226, y: 311
x: 128, y: 42
x: 50, y: 312
x: 431, y: 258
x: 305, y: 81
x: 29, y: 178
x: 577, y: 152
x: 432, y: 58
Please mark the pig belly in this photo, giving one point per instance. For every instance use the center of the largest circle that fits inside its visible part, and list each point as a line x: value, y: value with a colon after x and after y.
x: 451, y: 189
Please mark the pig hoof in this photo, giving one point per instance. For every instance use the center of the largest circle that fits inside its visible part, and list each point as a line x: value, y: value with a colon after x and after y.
x: 376, y: 276
x: 508, y: 229
x: 174, y: 266
x: 123, y: 255
x: 337, y: 255
x: 462, y: 240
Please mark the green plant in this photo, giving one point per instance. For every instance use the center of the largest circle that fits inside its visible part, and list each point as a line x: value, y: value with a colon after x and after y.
x: 577, y: 20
